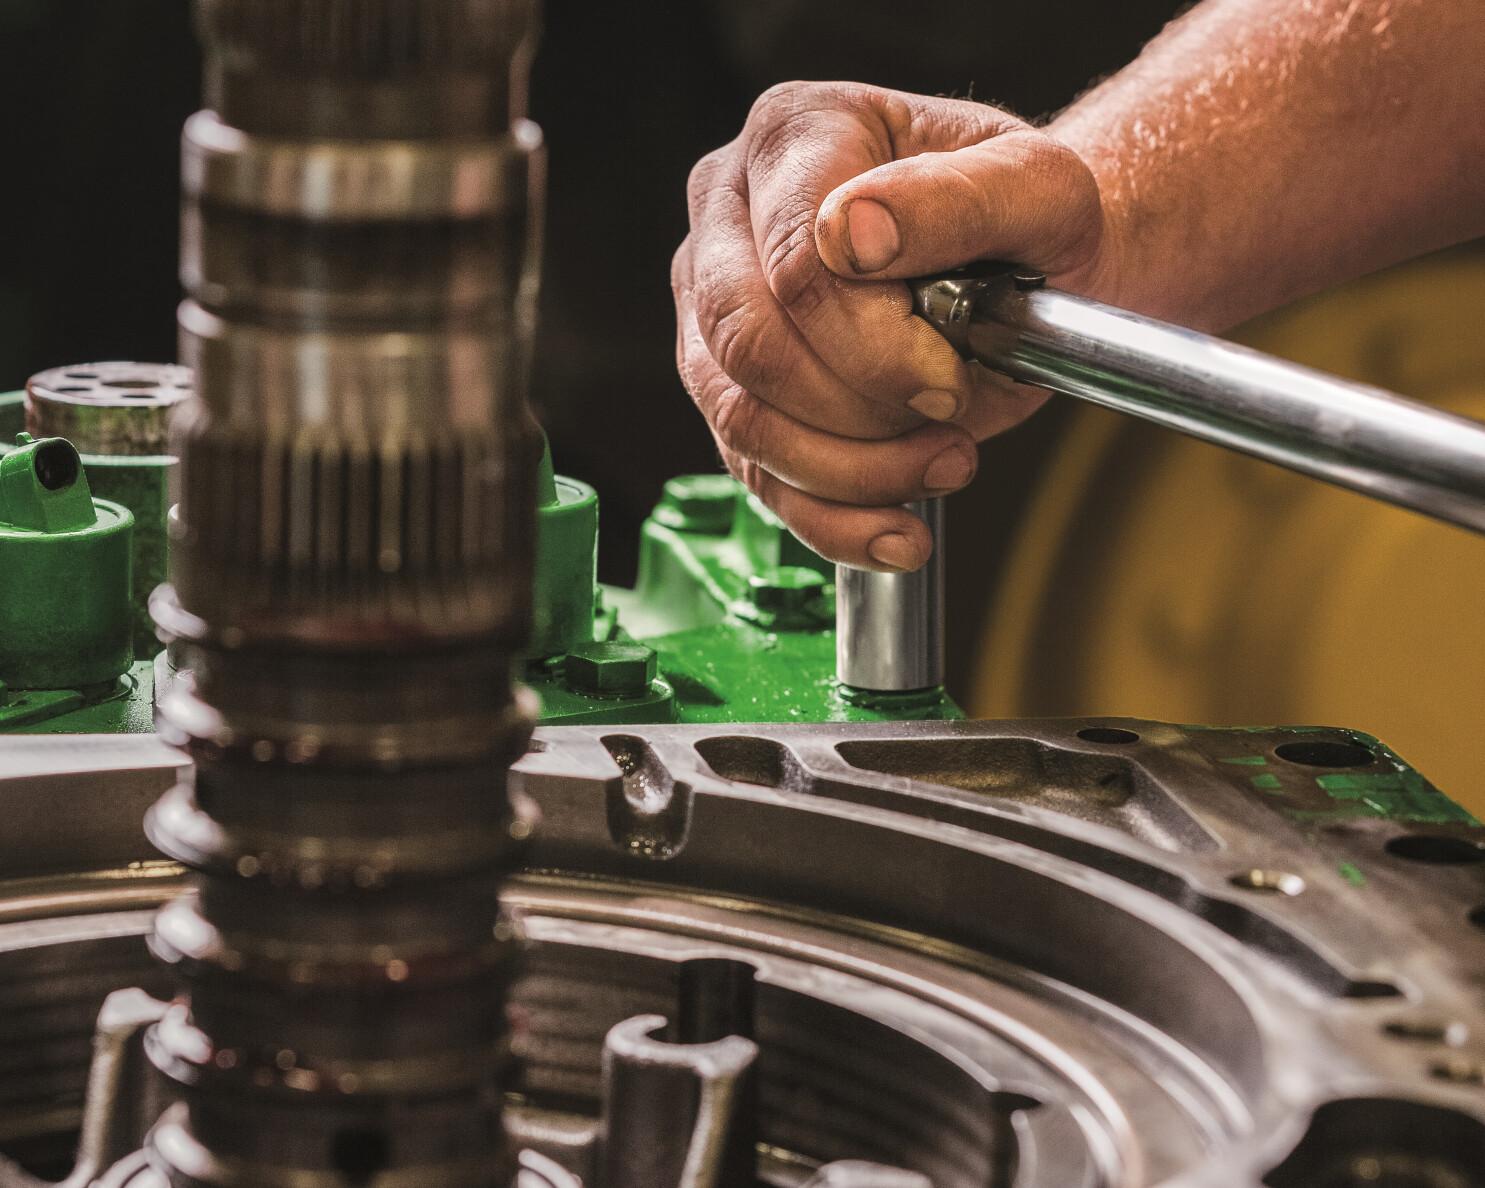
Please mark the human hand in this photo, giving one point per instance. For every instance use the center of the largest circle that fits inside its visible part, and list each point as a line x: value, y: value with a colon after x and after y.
x: 827, y: 397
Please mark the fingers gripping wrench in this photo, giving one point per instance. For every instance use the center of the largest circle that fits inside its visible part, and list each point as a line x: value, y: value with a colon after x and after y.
x: 890, y: 632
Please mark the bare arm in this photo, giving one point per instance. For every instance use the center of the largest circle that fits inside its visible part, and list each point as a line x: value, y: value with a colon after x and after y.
x: 1257, y: 150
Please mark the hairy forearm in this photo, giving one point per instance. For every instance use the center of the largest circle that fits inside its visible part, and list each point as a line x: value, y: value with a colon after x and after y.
x: 1259, y: 150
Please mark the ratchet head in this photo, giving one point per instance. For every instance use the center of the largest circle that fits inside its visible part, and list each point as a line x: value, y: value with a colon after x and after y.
x: 949, y: 300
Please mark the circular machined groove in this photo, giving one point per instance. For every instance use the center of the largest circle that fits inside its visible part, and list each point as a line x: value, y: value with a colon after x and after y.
x: 868, y: 1050
x: 358, y: 181
x: 907, y: 1025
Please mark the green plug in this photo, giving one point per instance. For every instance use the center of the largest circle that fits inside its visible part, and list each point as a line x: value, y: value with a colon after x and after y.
x: 43, y: 487
x: 65, y: 614
x: 566, y: 561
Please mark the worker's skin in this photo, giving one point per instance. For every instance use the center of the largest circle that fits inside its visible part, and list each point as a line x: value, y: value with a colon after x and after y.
x: 1256, y: 151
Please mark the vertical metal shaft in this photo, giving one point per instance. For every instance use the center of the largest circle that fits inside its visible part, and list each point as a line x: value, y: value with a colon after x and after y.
x: 352, y: 572
x: 890, y: 626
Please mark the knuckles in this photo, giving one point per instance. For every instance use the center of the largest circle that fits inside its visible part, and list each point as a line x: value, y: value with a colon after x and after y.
x: 782, y: 101
x: 705, y: 177
x: 794, y: 271
x: 680, y: 270
x: 741, y: 337
x: 738, y: 419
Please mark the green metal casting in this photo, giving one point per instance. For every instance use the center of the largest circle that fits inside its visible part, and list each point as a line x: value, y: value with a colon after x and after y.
x: 732, y: 618
x: 142, y: 484
x: 117, y: 706
x: 566, y: 562
x: 64, y: 573
x: 742, y: 615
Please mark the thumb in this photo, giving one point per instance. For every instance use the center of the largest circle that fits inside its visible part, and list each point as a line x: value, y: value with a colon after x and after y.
x: 1018, y: 196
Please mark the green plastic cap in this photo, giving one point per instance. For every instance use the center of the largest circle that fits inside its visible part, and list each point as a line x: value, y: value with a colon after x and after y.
x: 65, y: 565
x: 43, y: 488
x: 566, y: 562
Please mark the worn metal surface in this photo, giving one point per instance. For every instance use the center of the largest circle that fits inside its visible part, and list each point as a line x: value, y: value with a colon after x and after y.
x: 1062, y: 954
x: 119, y: 409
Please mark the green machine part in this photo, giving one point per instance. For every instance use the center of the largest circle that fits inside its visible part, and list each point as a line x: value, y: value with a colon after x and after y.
x: 732, y: 619
x: 117, y: 415
x: 566, y: 593
x: 66, y: 630
x: 114, y: 415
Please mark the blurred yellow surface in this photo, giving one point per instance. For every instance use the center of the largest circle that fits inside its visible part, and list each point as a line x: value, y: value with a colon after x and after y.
x: 1156, y: 576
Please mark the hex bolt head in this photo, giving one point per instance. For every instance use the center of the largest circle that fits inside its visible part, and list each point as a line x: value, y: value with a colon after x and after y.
x: 610, y: 669
x: 786, y: 589
x: 705, y: 503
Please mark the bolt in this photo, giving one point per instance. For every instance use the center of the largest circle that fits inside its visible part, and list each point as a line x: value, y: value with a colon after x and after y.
x: 1026, y: 279
x: 788, y: 589
x: 610, y: 669
x: 702, y: 503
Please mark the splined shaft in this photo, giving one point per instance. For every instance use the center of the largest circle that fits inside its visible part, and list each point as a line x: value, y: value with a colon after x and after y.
x: 352, y: 570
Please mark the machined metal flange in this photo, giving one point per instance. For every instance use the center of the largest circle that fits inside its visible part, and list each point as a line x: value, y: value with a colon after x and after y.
x: 1078, y: 954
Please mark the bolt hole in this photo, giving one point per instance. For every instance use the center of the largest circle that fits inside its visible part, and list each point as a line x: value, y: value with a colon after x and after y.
x: 73, y: 389
x: 92, y: 375
x: 1459, y: 1070
x: 1271, y: 882
x: 139, y: 395
x: 1325, y: 754
x: 1427, y: 1031
x: 1477, y: 917
x: 57, y: 465
x: 132, y: 384
x: 359, y: 1154
x: 1438, y: 849
x: 1108, y: 734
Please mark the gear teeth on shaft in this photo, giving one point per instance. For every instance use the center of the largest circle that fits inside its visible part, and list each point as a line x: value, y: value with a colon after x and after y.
x: 352, y: 567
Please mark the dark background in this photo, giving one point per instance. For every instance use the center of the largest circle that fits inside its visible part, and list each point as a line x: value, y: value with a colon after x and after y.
x: 94, y: 92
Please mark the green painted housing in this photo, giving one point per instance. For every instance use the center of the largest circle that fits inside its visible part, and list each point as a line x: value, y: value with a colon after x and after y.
x: 742, y: 614
x: 732, y: 619
x: 64, y: 575
x: 739, y: 615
